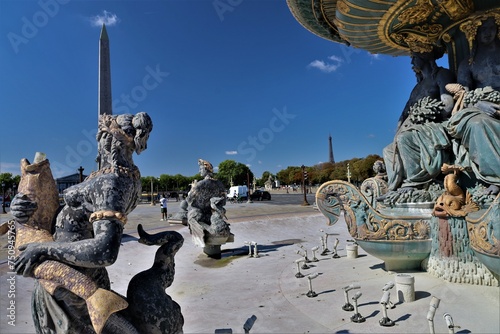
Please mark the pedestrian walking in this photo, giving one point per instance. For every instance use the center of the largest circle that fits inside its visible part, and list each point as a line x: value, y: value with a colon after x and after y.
x: 163, y: 206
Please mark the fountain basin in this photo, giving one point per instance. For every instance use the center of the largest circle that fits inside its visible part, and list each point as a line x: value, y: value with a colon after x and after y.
x: 398, y: 255
x: 492, y: 262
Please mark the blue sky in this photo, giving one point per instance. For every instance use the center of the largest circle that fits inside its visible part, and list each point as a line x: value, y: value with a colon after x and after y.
x: 248, y: 84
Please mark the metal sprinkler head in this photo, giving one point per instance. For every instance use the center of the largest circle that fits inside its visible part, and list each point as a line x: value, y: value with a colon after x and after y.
x: 314, y: 250
x: 249, y: 244
x: 449, y: 323
x: 324, y: 241
x: 311, y: 293
x: 385, y: 321
x: 255, y: 251
x: 335, y: 244
x: 388, y: 286
x: 348, y: 306
x: 304, y: 265
x: 299, y: 274
x: 305, y: 254
x: 357, y: 317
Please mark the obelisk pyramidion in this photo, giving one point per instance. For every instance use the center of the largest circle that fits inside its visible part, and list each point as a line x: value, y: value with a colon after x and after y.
x: 104, y: 103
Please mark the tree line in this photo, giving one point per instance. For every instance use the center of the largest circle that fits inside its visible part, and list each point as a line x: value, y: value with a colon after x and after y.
x: 233, y: 172
x: 236, y: 173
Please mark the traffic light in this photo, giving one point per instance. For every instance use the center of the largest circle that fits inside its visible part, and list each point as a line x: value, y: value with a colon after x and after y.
x: 305, y: 175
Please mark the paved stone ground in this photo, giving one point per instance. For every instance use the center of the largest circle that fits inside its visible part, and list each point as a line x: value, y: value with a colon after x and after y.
x: 219, y: 296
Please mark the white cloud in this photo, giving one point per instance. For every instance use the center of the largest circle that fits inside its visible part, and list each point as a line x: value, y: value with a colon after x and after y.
x: 10, y: 167
x: 107, y: 18
x: 335, y: 58
x: 331, y: 66
x: 231, y: 152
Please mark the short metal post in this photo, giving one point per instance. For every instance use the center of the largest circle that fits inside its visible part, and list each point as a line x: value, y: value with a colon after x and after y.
x: 432, y: 311
x: 299, y: 274
x: 335, y: 244
x: 249, y: 244
x: 385, y: 321
x: 255, y: 251
x: 311, y: 293
x: 357, y: 317
x: 314, y: 249
x: 348, y: 306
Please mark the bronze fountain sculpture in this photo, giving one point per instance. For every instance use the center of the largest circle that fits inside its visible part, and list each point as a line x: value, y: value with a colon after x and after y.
x: 439, y: 207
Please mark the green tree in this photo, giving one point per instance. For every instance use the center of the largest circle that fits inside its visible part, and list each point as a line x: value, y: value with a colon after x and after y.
x: 265, y: 177
x: 291, y: 175
x: 147, y: 182
x: 9, y: 182
x: 235, y: 171
x: 322, y: 172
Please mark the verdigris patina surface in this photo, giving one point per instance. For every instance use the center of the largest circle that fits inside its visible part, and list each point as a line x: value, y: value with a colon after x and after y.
x: 206, y: 212
x: 444, y: 163
x: 72, y: 291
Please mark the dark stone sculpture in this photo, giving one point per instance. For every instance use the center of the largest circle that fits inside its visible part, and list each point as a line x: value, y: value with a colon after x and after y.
x: 421, y: 144
x: 476, y: 128
x: 72, y: 291
x: 206, y: 212
x: 150, y: 308
x: 449, y: 223
x: 182, y: 215
x: 431, y: 135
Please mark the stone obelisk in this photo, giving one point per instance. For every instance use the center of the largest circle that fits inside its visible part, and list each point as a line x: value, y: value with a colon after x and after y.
x: 104, y: 103
x: 330, y: 156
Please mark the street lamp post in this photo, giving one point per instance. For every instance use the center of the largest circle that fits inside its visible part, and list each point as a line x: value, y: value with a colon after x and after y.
x: 152, y: 195
x: 249, y: 189
x: 305, y: 202
x: 3, y: 198
x: 348, y: 174
x: 80, y: 174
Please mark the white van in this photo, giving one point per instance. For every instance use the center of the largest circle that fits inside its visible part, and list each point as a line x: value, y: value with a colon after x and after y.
x: 241, y: 191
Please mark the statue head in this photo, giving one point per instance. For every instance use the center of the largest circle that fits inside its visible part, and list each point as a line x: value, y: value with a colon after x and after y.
x: 487, y: 31
x: 379, y: 167
x: 448, y: 206
x: 120, y: 135
x: 422, y: 60
x: 486, y: 34
x: 206, y: 168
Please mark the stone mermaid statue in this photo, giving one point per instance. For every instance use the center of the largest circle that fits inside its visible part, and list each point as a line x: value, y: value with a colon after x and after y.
x: 67, y: 249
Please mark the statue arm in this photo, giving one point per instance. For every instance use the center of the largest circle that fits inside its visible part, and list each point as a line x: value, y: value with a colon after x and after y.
x: 489, y: 108
x: 445, y: 77
x: 100, y: 251
x: 404, y: 114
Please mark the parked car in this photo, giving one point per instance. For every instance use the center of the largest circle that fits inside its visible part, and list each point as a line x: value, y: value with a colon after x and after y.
x: 260, y: 195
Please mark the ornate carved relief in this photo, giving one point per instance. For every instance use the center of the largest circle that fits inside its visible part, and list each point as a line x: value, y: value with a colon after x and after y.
x: 363, y: 221
x: 470, y: 26
x: 456, y: 9
x: 416, y: 14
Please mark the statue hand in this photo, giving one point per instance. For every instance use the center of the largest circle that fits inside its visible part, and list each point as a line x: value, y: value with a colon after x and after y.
x: 489, y: 108
x: 22, y: 208
x: 32, y: 255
